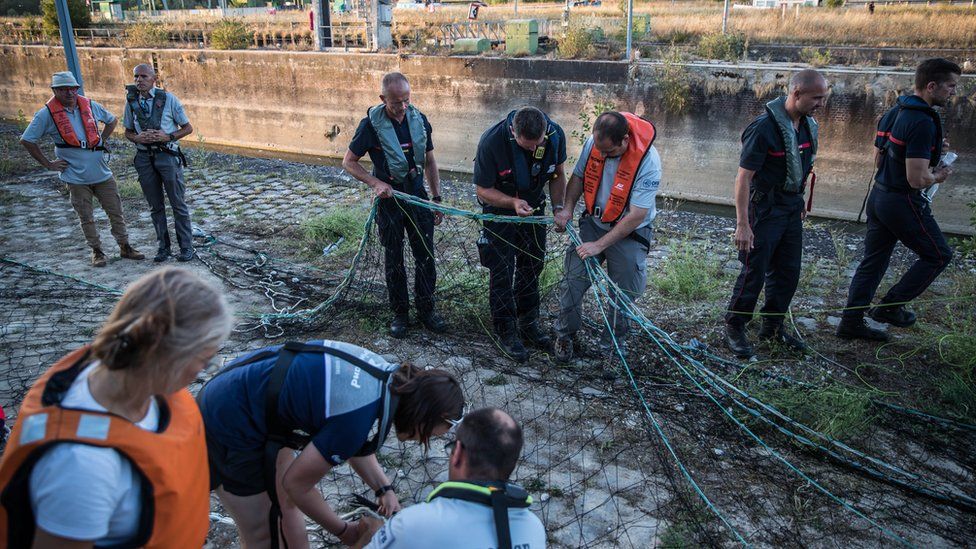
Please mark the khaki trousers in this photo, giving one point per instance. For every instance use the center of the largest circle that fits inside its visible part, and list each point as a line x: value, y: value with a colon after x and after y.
x: 107, y: 193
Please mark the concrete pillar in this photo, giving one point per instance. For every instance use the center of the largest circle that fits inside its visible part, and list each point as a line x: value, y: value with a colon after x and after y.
x: 322, y: 23
x: 381, y: 17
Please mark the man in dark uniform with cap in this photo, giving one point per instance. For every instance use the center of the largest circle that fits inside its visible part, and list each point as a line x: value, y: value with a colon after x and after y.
x: 397, y: 137
x: 515, y: 161
x: 778, y: 151
x: 908, y: 152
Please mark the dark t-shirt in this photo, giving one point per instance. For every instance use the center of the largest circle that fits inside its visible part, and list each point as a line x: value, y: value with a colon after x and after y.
x: 763, y: 152
x: 315, y: 397
x: 367, y: 142
x: 493, y: 162
x: 913, y: 135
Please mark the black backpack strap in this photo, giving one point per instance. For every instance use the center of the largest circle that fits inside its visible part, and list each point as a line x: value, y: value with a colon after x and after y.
x: 499, y: 511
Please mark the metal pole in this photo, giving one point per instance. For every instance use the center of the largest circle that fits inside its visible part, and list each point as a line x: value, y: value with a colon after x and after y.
x: 68, y: 41
x: 725, y: 18
x: 516, y: 7
x: 630, y: 29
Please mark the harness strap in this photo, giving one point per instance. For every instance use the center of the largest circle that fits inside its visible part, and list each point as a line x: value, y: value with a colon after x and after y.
x: 499, y: 510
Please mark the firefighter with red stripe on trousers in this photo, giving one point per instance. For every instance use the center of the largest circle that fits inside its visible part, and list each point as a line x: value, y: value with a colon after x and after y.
x: 778, y: 151
x: 908, y: 153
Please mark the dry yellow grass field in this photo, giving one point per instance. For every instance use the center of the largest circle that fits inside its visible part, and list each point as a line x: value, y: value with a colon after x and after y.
x: 939, y: 26
x: 911, y: 26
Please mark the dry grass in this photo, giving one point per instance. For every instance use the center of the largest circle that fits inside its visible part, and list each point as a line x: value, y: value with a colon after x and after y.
x: 909, y: 26
x: 920, y: 26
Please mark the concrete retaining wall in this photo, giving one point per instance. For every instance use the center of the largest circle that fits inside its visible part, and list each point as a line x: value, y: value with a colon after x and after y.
x: 311, y: 103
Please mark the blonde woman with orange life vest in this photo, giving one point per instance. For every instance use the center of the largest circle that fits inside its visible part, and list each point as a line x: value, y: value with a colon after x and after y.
x: 109, y: 448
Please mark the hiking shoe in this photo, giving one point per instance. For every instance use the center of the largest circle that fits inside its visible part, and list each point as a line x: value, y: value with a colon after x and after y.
x: 98, y: 258
x: 564, y: 350
x: 162, y: 254
x: 434, y: 322
x: 737, y: 342
x: 776, y: 333
x: 186, y: 255
x: 128, y: 252
x: 856, y: 328
x: 398, y: 328
x: 512, y: 346
x: 895, y: 315
x: 533, y: 336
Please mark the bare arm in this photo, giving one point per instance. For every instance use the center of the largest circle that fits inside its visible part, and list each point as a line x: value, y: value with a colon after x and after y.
x: 372, y: 474
x: 574, y: 189
x: 351, y: 164
x: 921, y: 176
x: 621, y: 230
x: 557, y: 187
x: 743, y: 231
x: 108, y: 130
x: 300, y: 482
x: 35, y: 151
x: 498, y: 199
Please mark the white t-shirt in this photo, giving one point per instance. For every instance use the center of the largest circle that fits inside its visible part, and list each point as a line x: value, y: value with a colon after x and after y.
x: 447, y: 523
x: 645, y: 188
x: 83, y: 492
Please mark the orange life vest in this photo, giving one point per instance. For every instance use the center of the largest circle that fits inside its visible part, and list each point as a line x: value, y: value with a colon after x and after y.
x: 641, y: 138
x: 172, y: 461
x: 67, y: 131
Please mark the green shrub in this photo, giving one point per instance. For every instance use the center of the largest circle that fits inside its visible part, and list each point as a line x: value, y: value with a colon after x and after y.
x: 341, y: 223
x: 967, y: 246
x: 815, y: 57
x: 673, y: 82
x: 77, y: 10
x: 687, y: 273
x: 728, y: 47
x: 231, y: 34
x: 578, y: 43
x: 834, y: 3
x: 838, y: 411
x: 146, y: 35
x: 587, y: 117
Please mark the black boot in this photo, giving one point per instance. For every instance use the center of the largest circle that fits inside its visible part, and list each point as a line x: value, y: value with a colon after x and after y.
x: 896, y: 315
x: 855, y: 328
x: 533, y: 336
x: 433, y: 322
x: 774, y: 331
x: 737, y: 342
x: 398, y: 328
x: 508, y: 340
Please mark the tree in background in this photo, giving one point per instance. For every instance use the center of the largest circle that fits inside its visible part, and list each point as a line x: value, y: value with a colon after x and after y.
x: 80, y: 16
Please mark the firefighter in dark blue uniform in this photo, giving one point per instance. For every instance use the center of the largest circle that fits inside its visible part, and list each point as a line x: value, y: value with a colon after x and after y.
x: 515, y: 161
x: 778, y: 151
x: 397, y: 138
x: 909, y: 147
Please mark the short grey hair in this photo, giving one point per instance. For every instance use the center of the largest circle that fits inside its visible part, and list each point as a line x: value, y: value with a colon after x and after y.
x: 391, y: 79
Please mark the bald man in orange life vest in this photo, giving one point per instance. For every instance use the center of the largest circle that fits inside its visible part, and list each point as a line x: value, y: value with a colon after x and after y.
x: 71, y: 122
x: 618, y: 175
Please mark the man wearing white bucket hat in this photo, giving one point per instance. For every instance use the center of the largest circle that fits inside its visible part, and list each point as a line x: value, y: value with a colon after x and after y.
x: 71, y: 122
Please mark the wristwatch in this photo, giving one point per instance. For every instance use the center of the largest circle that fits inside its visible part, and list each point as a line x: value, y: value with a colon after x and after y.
x: 557, y: 208
x: 384, y: 489
x: 172, y: 137
x: 436, y: 199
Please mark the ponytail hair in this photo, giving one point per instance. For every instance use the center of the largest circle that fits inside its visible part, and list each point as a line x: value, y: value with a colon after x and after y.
x: 428, y: 398
x: 161, y: 323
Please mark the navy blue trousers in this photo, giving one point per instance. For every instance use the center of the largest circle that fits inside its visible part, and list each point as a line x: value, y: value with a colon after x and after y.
x: 897, y: 217
x: 773, y: 262
x: 394, y: 219
x: 515, y: 254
